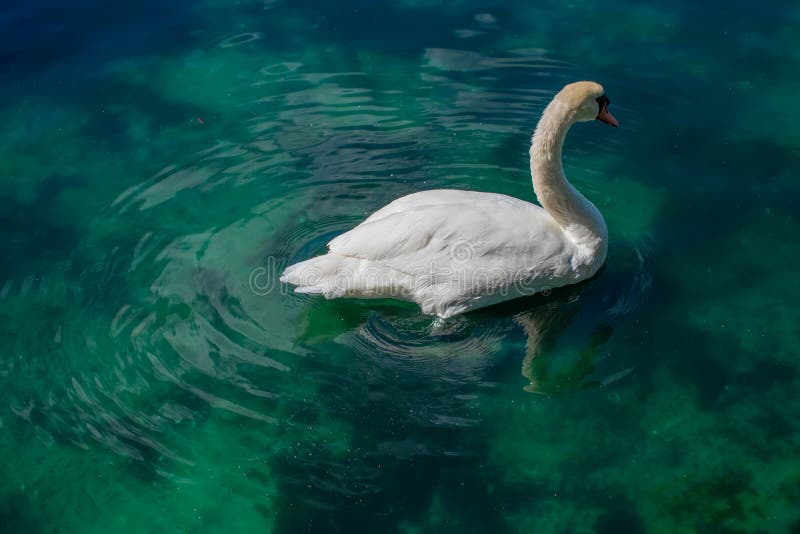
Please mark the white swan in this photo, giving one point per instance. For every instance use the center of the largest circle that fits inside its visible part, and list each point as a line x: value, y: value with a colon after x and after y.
x: 452, y: 251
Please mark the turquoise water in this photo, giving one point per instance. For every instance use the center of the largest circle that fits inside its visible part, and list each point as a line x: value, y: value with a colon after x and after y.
x: 161, y: 162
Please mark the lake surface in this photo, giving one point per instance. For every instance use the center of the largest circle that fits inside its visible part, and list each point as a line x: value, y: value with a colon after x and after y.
x: 161, y: 162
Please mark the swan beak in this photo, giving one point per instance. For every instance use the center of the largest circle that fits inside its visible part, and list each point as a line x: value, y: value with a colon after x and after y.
x: 606, y: 117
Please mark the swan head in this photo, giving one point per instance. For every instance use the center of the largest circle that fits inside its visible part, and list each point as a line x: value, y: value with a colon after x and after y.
x: 587, y: 101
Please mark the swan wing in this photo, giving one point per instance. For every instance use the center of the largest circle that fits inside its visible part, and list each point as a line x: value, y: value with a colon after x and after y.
x: 446, y: 234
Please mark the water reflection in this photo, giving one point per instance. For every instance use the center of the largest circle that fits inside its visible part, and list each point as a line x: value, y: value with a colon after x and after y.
x: 565, y: 348
x: 558, y: 372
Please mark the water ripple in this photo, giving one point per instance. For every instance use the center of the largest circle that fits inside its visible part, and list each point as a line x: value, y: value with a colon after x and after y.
x: 171, y: 333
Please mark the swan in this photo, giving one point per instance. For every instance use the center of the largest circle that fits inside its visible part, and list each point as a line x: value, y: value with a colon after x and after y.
x: 453, y: 251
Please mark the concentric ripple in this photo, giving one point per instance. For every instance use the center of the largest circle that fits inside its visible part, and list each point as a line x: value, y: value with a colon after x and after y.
x: 199, y: 324
x: 163, y: 338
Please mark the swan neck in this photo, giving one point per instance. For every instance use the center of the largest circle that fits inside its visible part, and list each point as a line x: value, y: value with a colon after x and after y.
x: 562, y: 201
x: 549, y: 182
x: 580, y: 219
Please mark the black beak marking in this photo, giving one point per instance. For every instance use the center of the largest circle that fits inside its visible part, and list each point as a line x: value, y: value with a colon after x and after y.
x: 603, y: 101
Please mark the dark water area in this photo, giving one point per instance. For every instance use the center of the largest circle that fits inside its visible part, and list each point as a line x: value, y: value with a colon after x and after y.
x: 162, y: 162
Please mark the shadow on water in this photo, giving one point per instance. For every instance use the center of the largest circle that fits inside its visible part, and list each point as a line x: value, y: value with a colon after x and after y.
x: 622, y: 518
x: 17, y: 514
x: 31, y: 238
x: 121, y: 103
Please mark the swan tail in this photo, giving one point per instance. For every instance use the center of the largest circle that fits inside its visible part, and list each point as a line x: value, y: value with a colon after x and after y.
x: 334, y: 276
x: 320, y: 275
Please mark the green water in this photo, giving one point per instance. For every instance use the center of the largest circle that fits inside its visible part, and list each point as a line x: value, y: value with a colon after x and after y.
x: 161, y: 162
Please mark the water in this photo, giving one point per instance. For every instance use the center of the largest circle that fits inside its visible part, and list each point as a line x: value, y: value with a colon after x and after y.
x: 161, y: 162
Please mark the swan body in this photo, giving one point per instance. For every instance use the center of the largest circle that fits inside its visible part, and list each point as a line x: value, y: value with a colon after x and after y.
x: 452, y: 251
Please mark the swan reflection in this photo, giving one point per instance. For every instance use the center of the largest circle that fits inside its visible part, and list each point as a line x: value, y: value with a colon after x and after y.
x: 558, y: 371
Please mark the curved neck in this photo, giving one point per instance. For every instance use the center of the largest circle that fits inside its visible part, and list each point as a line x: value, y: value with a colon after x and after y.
x: 579, y: 218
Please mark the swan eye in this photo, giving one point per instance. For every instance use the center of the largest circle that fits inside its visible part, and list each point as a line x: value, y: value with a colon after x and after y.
x: 603, y: 101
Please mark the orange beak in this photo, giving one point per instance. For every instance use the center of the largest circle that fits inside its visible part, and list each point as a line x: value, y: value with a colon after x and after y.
x: 606, y: 117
